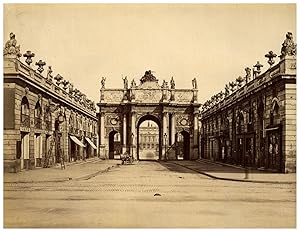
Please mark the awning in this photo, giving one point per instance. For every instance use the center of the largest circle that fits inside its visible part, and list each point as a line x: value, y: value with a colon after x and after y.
x: 91, y: 143
x: 77, y: 141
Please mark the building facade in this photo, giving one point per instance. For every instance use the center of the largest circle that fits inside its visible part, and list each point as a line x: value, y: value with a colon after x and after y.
x: 46, y: 120
x: 148, y: 141
x: 254, y: 122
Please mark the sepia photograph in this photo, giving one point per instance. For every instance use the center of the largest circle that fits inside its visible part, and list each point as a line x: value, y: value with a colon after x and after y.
x: 141, y: 115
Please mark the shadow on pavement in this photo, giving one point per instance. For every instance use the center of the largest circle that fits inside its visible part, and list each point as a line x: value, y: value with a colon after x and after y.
x: 187, y: 165
x: 176, y: 168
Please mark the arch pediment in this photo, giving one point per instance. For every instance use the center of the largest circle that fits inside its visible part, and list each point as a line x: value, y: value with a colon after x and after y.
x: 149, y: 85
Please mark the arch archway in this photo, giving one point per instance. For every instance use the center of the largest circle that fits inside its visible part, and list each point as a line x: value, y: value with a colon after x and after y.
x: 140, y: 155
x: 114, y: 145
x: 183, y: 145
x: 170, y: 108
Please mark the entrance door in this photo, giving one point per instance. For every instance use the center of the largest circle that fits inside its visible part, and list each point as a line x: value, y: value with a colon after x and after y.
x: 24, y: 149
x: 183, y: 141
x: 274, y: 157
x: 38, y: 149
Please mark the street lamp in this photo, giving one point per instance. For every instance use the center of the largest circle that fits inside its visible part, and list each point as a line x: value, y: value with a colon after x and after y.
x: 165, y: 136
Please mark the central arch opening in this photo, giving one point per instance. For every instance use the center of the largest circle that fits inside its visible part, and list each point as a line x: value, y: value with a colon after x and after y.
x: 148, y: 138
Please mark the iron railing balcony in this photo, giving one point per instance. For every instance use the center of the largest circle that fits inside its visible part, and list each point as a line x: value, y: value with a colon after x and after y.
x: 25, y: 120
x: 48, y: 125
x: 38, y: 123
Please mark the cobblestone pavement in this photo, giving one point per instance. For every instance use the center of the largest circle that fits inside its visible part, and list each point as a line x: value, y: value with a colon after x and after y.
x: 148, y: 194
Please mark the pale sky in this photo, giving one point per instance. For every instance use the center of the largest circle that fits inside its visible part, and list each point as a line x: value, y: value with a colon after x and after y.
x: 213, y: 43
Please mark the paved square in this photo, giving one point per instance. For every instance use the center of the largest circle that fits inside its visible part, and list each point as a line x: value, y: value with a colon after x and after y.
x: 146, y: 194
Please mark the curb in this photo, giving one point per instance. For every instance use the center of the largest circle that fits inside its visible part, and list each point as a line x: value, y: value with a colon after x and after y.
x: 38, y: 181
x: 65, y: 179
x: 237, y: 180
x: 89, y: 176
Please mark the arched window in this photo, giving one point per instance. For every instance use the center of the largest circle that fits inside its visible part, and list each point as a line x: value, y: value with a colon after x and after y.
x: 48, y: 118
x: 240, y: 123
x: 90, y: 127
x: 274, y: 114
x: 25, y: 116
x: 38, y: 116
x: 83, y: 124
x: 71, y: 124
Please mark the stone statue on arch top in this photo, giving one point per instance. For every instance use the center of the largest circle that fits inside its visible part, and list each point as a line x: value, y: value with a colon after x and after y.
x: 133, y: 84
x: 125, y: 82
x: 103, y: 82
x: 164, y: 84
x: 172, y: 83
x: 194, y: 83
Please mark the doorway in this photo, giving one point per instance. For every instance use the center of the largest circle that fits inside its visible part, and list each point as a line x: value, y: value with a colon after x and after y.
x: 114, y: 145
x: 183, y: 144
x: 24, y: 150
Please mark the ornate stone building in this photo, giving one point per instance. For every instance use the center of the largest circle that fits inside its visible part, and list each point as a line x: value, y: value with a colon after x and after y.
x: 175, y: 111
x: 46, y: 120
x: 148, y: 141
x: 253, y: 123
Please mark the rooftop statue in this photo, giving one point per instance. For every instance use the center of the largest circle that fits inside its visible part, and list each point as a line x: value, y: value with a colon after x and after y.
x: 49, y: 73
x: 239, y: 81
x: 164, y: 84
x: 71, y: 88
x: 288, y: 46
x: 125, y: 82
x: 194, y: 83
x: 148, y: 77
x: 248, y: 74
x: 103, y: 82
x: 133, y: 84
x: 11, y: 47
x: 232, y: 86
x: 172, y: 83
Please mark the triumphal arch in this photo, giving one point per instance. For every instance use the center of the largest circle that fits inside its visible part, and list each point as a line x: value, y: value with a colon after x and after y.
x: 174, y: 110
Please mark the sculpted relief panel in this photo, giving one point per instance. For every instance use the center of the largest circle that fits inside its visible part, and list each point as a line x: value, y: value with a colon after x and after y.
x: 112, y: 120
x: 183, y: 120
x: 183, y: 96
x: 148, y: 95
x: 113, y: 96
x: 112, y: 123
